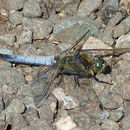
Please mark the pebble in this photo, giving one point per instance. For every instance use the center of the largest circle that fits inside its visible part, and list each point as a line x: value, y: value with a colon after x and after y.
x: 41, y: 124
x: 32, y: 9
x: 3, y: 12
x: 24, y: 92
x: 72, y: 29
x: 116, y: 115
x: 17, y: 121
x: 69, y: 102
x: 25, y: 37
x: 27, y: 48
x: 127, y: 21
x: 44, y: 8
x: 15, y: 17
x: 16, y: 106
x: 109, y: 103
x: 114, y: 3
x: 109, y: 125
x: 122, y: 28
x: 95, y: 43
x: 31, y: 115
x: 107, y: 37
x: 11, y: 76
x: 126, y: 122
x: 88, y: 6
x: 65, y: 123
x: 69, y: 8
x: 9, y: 39
x: 124, y: 86
x: 15, y: 4
x: 41, y: 28
x: 94, y: 127
x: 123, y: 41
x: 126, y: 108
x: 49, y: 109
x: 116, y: 19
x: 8, y: 93
x: 6, y: 51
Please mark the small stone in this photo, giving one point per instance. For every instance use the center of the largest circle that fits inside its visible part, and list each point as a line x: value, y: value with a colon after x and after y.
x: 17, y: 120
x: 32, y: 9
x: 41, y: 28
x: 15, y: 4
x: 24, y: 92
x: 123, y: 41
x: 126, y: 122
x: 44, y: 8
x: 15, y: 17
x: 69, y: 102
x: 6, y: 51
x: 109, y: 103
x: 88, y: 6
x: 116, y: 115
x: 125, y: 88
x: 31, y: 115
x: 27, y: 49
x: 25, y: 37
x: 16, y: 106
x: 41, y: 124
x: 72, y: 29
x: 3, y: 12
x: 9, y: 39
x: 95, y: 43
x: 65, y: 123
x: 107, y: 37
x: 8, y: 93
x: 94, y: 127
x: 127, y: 21
x: 53, y: 106
x: 11, y: 76
x: 114, y: 3
x: 54, y: 18
x: 120, y: 30
x: 109, y: 125
x: 70, y: 8
x: 115, y: 20
x: 46, y: 111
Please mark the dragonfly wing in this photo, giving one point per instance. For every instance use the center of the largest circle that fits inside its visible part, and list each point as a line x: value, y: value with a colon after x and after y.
x: 108, y: 52
x: 43, y: 84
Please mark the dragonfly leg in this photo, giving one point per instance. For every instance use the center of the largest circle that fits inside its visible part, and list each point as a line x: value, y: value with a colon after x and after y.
x: 101, y: 81
x: 76, y: 79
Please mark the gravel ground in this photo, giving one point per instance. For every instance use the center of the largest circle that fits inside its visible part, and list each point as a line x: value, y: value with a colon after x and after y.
x: 48, y: 27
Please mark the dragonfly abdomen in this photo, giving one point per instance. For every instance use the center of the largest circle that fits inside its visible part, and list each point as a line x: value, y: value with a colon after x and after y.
x: 46, y: 60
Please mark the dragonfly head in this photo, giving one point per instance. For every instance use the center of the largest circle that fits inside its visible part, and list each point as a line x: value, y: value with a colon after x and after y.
x: 99, y: 65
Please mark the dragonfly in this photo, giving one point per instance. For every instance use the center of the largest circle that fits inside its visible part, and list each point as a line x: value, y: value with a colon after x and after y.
x: 77, y: 62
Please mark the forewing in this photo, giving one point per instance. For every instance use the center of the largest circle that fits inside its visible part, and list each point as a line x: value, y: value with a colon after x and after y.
x: 43, y: 84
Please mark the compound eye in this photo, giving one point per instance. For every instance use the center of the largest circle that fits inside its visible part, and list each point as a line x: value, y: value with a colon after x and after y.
x: 100, y: 65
